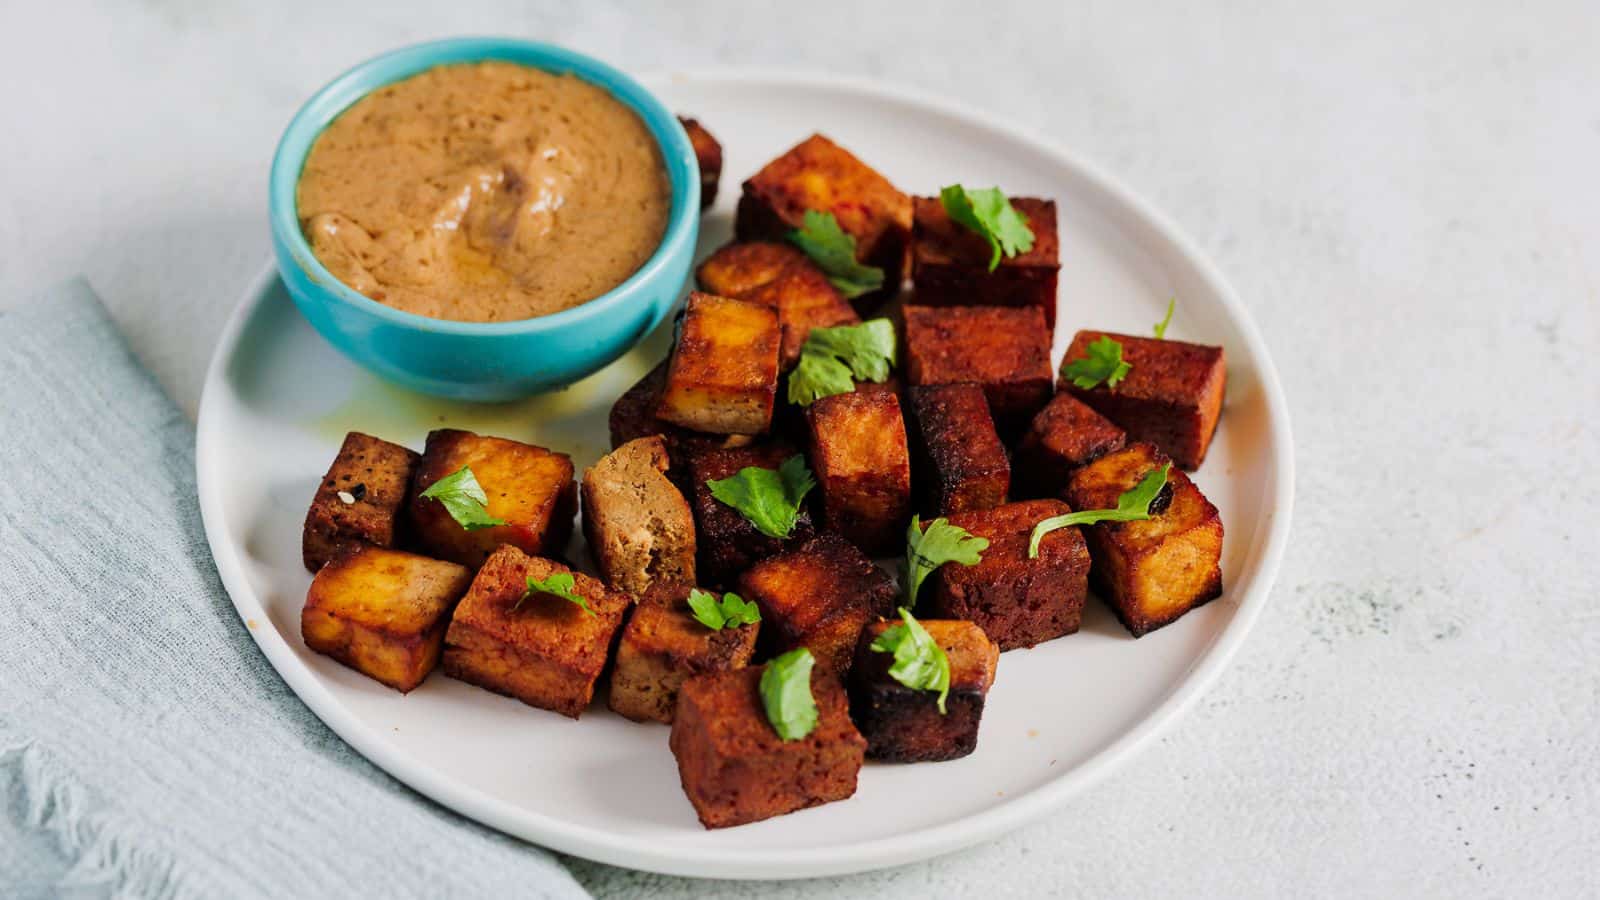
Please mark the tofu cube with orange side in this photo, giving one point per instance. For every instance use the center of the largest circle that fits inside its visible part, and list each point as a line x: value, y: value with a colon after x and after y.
x: 708, y: 156
x: 903, y: 724
x: 372, y: 475
x: 863, y: 467
x: 1153, y: 571
x: 723, y: 375
x: 529, y: 488
x: 950, y: 262
x: 1171, y: 396
x: 382, y: 612
x: 662, y: 644
x: 1066, y: 434
x: 781, y: 277
x: 960, y: 461
x: 818, y: 595
x: 1005, y: 350
x: 727, y: 543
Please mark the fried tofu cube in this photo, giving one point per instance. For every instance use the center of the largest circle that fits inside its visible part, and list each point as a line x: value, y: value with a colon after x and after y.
x: 382, y: 612
x: 633, y: 416
x: 1006, y: 350
x: 543, y: 650
x: 950, y: 262
x: 663, y: 644
x: 373, y: 475
x: 1152, y: 571
x: 727, y: 542
x: 818, y: 595
x: 734, y: 767
x: 639, y: 528
x: 960, y: 461
x: 723, y: 376
x: 529, y: 488
x: 863, y: 466
x: 1064, y: 435
x: 1171, y: 397
x: 708, y: 154
x: 781, y: 277
x: 818, y: 174
x: 904, y: 725
x: 1017, y: 601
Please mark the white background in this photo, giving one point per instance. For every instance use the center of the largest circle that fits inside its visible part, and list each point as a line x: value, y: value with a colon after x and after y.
x: 1407, y: 200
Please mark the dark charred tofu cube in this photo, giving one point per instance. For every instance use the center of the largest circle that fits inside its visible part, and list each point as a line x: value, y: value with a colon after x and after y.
x: 960, y: 461
x: 382, y: 612
x: 1006, y: 350
x: 818, y: 595
x: 723, y: 376
x: 708, y: 154
x: 529, y: 488
x: 904, y: 725
x: 950, y: 262
x: 633, y: 416
x: 727, y: 542
x: 819, y: 174
x: 780, y: 277
x: 638, y: 526
x: 360, y: 499
x: 663, y: 644
x: 863, y: 467
x: 543, y: 650
x: 1017, y: 601
x: 1064, y: 435
x: 1152, y: 571
x: 1171, y: 397
x: 734, y: 767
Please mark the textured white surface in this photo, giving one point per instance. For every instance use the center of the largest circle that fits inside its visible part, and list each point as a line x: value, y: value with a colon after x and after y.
x: 1407, y: 200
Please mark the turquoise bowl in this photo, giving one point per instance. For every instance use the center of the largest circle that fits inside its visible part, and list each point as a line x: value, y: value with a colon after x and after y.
x: 489, y: 361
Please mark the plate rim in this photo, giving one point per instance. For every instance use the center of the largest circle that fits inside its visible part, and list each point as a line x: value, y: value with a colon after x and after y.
x: 638, y: 853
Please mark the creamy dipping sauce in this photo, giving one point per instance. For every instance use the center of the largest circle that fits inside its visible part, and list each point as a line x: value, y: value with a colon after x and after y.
x: 484, y: 192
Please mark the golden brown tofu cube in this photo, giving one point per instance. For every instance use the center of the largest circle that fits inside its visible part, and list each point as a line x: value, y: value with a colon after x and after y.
x: 543, y: 650
x: 1171, y: 397
x: 382, y: 612
x: 1006, y: 350
x: 863, y: 467
x: 905, y: 725
x: 639, y: 528
x: 529, y: 488
x: 950, y: 262
x: 818, y: 595
x: 733, y: 766
x: 783, y: 278
x: 819, y: 174
x: 1018, y: 601
x: 708, y: 154
x: 1064, y: 435
x: 727, y: 542
x: 960, y: 461
x: 372, y: 475
x: 663, y: 644
x: 1152, y: 571
x: 723, y: 377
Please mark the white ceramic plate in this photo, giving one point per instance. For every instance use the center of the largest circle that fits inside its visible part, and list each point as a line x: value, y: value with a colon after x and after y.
x: 278, y: 400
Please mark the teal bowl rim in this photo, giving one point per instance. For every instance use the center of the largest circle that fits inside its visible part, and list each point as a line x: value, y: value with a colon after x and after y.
x: 365, y: 77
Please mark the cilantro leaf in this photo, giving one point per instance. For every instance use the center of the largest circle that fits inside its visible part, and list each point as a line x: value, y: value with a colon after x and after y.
x: 463, y: 499
x: 559, y: 584
x: 834, y: 252
x: 1161, y: 326
x: 833, y: 359
x: 786, y: 694
x: 1132, y: 506
x: 1103, y: 363
x: 987, y: 212
x: 939, y: 544
x: 919, y: 662
x: 769, y: 498
x: 732, y: 612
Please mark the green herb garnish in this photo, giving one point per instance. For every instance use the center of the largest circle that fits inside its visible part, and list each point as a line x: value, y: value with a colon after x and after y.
x: 834, y: 251
x: 786, y: 694
x: 559, y: 584
x: 732, y: 611
x: 832, y: 360
x: 1161, y: 326
x: 939, y: 544
x: 987, y: 212
x: 919, y: 662
x: 1132, y: 506
x: 463, y: 499
x: 1103, y: 363
x: 769, y: 498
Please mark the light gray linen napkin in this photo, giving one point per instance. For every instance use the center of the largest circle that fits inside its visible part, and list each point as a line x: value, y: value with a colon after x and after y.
x: 146, y: 747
